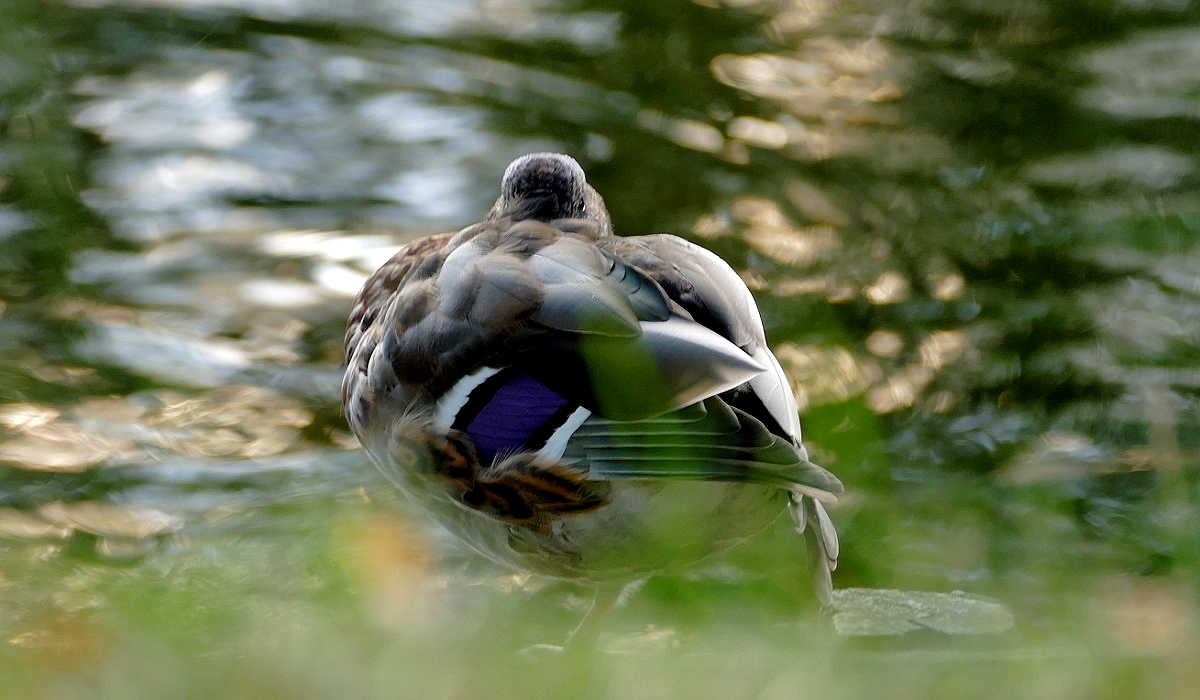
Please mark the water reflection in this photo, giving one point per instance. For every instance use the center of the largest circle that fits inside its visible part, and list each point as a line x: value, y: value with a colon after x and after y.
x: 973, y: 231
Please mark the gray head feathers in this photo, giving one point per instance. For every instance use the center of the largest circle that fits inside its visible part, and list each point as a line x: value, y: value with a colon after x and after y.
x: 548, y: 187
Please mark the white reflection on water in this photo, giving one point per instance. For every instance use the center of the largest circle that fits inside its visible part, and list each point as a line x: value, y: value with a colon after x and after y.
x: 49, y: 444
x: 340, y: 261
x: 13, y: 221
x: 1135, y: 167
x: 200, y: 139
x: 19, y: 524
x: 688, y: 133
x: 179, y: 110
x: 109, y: 520
x: 826, y: 375
x: 232, y: 422
x: 890, y: 287
x: 170, y: 356
x: 1140, y: 318
x: 1152, y: 73
x: 514, y: 19
x: 1059, y: 456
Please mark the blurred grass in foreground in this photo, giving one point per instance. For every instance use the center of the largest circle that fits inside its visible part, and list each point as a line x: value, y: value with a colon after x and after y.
x: 349, y: 599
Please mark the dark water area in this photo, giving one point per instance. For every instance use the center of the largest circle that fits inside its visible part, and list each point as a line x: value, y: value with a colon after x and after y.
x: 973, y: 230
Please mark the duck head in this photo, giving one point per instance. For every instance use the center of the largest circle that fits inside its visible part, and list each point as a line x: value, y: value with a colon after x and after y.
x: 549, y: 187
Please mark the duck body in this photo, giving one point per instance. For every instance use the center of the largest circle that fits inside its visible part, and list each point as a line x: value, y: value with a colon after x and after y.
x: 576, y: 403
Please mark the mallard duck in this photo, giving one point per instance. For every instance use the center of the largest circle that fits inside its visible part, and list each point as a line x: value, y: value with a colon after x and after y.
x: 576, y: 403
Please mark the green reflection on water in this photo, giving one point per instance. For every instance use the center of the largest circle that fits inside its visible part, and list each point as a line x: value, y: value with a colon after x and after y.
x: 973, y: 232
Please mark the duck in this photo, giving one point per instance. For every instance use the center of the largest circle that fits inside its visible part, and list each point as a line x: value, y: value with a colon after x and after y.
x: 578, y: 404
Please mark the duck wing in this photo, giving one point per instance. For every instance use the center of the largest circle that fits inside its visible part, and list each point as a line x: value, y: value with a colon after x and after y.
x: 750, y: 432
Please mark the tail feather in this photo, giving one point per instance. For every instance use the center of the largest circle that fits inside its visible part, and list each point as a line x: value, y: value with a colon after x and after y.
x: 821, y: 539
